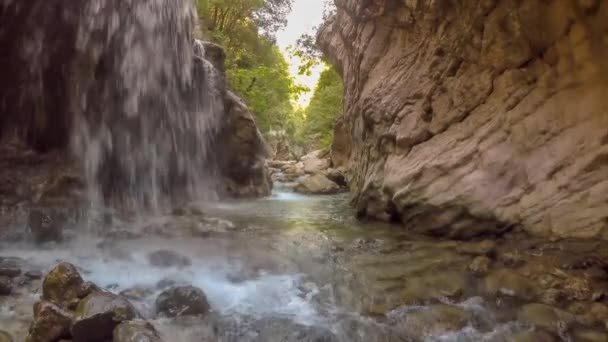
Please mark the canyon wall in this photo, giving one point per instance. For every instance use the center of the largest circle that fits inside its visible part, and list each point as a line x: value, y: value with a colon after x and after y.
x: 468, y: 118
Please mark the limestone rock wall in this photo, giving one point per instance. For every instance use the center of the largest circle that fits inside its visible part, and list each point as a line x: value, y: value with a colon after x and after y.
x: 473, y: 117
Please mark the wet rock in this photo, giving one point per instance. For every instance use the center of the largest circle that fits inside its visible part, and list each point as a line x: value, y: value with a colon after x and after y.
x: 182, y: 301
x: 509, y: 283
x: 5, y: 337
x: 534, y: 336
x: 136, y: 293
x: 46, y: 224
x: 316, y: 184
x: 33, y: 275
x: 10, y: 272
x: 166, y: 258
x: 590, y: 313
x: 546, y: 317
x: 6, y: 286
x: 98, y: 314
x: 135, y: 331
x: 589, y: 335
x: 480, y: 265
x: 50, y: 324
x: 64, y: 286
x: 484, y: 247
x: 434, y: 320
x: 165, y: 283
x: 433, y: 285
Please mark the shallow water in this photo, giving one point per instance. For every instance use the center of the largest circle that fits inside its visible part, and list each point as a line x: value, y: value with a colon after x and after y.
x: 290, y: 256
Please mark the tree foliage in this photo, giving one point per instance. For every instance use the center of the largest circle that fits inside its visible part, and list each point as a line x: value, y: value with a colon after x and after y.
x: 325, y: 106
x: 255, y: 68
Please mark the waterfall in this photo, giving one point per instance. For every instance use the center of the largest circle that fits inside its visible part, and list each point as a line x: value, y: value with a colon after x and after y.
x: 147, y: 108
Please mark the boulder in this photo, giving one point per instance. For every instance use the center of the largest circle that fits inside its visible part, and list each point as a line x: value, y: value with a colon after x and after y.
x: 487, y: 114
x: 51, y: 323
x: 314, y: 162
x: 182, y: 301
x: 316, y: 184
x: 166, y: 258
x: 98, y: 314
x: 64, y: 286
x: 135, y: 331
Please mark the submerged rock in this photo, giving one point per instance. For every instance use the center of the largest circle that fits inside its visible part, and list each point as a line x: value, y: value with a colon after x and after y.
x: 5, y: 337
x: 480, y: 265
x: 182, y: 301
x: 546, y: 317
x: 51, y: 323
x: 166, y: 258
x: 434, y: 320
x: 64, y: 286
x: 509, y: 283
x: 316, y: 184
x: 135, y: 331
x: 534, y: 336
x: 98, y: 314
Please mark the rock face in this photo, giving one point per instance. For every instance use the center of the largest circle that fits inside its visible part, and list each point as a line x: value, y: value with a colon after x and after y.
x: 244, y: 152
x: 475, y: 115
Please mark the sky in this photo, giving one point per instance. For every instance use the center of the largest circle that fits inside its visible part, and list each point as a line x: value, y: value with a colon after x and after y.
x: 305, y: 15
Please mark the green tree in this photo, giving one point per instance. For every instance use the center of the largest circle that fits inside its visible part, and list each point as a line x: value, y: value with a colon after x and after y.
x: 255, y: 68
x: 325, y: 106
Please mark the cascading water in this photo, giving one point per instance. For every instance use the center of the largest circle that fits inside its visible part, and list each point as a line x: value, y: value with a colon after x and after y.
x: 147, y: 107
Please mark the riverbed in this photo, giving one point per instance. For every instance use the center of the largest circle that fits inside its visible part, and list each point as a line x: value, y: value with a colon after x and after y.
x: 288, y: 259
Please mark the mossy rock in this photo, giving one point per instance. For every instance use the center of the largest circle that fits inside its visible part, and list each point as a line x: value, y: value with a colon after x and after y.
x: 98, y: 314
x: 64, y: 286
x: 51, y: 323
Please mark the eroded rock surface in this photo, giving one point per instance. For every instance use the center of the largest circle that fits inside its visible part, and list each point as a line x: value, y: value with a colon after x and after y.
x: 468, y: 118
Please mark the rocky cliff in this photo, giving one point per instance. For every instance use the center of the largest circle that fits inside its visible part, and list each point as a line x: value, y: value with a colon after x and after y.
x: 473, y: 117
x: 119, y: 90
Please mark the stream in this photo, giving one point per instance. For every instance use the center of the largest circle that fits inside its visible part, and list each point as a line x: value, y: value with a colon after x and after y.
x: 289, y: 258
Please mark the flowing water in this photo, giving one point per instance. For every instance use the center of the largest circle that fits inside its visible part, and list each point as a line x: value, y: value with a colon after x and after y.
x: 288, y: 258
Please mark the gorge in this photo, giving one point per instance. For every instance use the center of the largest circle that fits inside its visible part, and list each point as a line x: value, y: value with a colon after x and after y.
x: 139, y: 200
